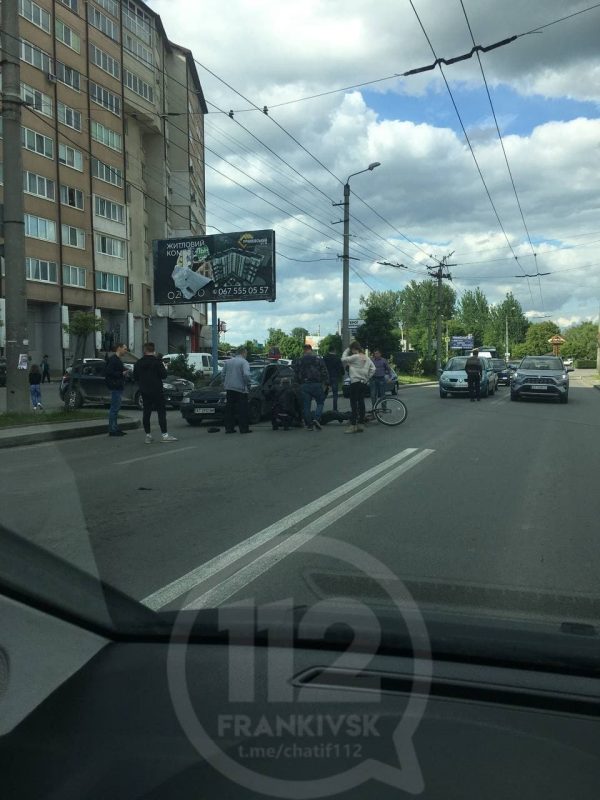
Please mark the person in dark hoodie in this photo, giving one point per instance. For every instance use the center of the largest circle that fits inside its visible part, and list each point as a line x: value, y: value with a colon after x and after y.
x: 114, y: 377
x: 285, y: 410
x: 149, y: 372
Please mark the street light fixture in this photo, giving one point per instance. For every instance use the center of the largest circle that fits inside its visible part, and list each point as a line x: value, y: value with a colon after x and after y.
x: 346, y: 256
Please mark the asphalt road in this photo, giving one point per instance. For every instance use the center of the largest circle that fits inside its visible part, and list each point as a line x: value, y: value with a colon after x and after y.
x: 472, y: 505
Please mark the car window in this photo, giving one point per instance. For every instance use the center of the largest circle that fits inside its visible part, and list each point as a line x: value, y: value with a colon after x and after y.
x: 456, y: 363
x: 542, y: 364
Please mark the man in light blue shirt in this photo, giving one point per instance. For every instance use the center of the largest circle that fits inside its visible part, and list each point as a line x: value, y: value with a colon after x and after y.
x: 236, y: 382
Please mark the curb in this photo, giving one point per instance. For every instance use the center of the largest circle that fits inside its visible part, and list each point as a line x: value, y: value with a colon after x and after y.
x: 416, y: 385
x: 73, y: 431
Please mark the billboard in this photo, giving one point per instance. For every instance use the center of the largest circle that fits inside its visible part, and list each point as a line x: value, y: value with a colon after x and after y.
x: 219, y: 268
x: 462, y: 342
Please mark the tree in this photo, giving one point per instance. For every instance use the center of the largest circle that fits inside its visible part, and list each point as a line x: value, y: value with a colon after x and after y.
x: 495, y: 332
x: 379, y: 331
x: 333, y: 342
x: 419, y: 309
x: 289, y: 347
x: 388, y: 301
x: 474, y: 314
x: 300, y: 334
x: 536, y: 339
x: 581, y: 341
x: 81, y: 326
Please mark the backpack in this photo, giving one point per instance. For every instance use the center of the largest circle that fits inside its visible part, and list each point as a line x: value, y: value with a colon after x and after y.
x: 310, y: 369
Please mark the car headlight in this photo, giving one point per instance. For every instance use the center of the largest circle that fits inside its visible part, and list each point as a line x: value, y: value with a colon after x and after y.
x: 186, y: 399
x: 168, y: 386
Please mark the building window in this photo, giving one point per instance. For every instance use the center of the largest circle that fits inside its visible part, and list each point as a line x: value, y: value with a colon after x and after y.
x: 39, y: 185
x: 36, y: 57
x: 36, y: 99
x: 72, y: 4
x: 68, y: 76
x: 107, y: 282
x: 103, y: 23
x: 37, y: 143
x: 107, y: 136
x: 68, y: 116
x: 73, y: 237
x: 109, y: 5
x: 130, y: 288
x: 67, y: 36
x: 137, y: 49
x: 109, y: 209
x: 104, y: 61
x: 39, y: 270
x: 40, y: 228
x: 137, y: 85
x: 104, y: 98
x: 107, y: 173
x: 109, y: 246
x: 74, y: 276
x: 137, y: 21
x: 71, y: 197
x: 35, y: 14
x: 70, y: 157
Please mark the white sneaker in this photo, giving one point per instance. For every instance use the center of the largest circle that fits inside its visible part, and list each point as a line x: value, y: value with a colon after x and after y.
x: 149, y: 438
x: 166, y: 438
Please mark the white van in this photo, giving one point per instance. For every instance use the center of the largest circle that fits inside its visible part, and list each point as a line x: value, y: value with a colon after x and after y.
x: 200, y: 362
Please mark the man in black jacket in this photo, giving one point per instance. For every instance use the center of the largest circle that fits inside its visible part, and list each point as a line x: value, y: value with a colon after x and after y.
x: 474, y: 371
x: 114, y: 377
x: 312, y: 375
x: 335, y: 368
x: 149, y: 372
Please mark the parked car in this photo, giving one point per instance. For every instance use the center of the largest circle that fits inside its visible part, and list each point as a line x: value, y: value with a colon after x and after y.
x: 541, y: 376
x: 200, y: 362
x: 2, y: 371
x: 568, y: 362
x: 207, y: 404
x: 92, y: 387
x: 502, y: 371
x: 453, y: 378
x: 391, y: 385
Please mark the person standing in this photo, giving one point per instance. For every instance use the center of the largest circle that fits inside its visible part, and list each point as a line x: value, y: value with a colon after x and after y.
x: 114, y: 377
x: 149, y: 372
x: 361, y: 370
x: 45, y: 367
x: 35, y: 392
x: 474, y: 371
x: 236, y: 382
x: 382, y: 372
x: 335, y: 370
x: 312, y: 375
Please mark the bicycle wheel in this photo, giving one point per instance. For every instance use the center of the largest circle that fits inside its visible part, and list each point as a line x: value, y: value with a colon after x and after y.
x: 390, y: 411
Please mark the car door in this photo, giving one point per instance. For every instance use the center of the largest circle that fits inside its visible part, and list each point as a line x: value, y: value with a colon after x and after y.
x: 92, y: 383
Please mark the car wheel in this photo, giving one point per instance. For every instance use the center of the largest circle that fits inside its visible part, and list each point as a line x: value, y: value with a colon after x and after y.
x: 254, y: 413
x: 564, y: 398
x: 73, y: 400
x: 514, y: 396
x: 487, y: 391
x: 443, y: 394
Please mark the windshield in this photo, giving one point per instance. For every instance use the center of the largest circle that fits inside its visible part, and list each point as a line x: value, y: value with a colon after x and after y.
x: 456, y: 364
x: 497, y: 363
x: 541, y: 364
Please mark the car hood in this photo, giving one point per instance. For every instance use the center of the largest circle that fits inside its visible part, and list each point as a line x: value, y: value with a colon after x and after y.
x: 454, y: 373
x: 208, y: 393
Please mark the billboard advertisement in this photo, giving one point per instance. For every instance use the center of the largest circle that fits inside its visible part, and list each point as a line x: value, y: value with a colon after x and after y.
x: 462, y: 342
x: 219, y: 268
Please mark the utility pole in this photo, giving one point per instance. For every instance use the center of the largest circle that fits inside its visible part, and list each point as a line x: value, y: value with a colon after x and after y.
x: 506, y: 353
x: 440, y: 273
x: 15, y: 285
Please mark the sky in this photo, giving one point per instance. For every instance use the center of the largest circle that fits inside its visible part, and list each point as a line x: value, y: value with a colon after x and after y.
x: 493, y: 159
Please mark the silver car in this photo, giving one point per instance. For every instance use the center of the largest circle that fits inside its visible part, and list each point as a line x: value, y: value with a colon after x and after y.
x: 541, y: 376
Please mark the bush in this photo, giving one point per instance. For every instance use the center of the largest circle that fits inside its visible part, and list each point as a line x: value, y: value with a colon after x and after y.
x: 585, y: 363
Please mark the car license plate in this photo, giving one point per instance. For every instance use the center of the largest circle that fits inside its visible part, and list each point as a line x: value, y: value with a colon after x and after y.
x: 204, y: 411
x: 539, y: 387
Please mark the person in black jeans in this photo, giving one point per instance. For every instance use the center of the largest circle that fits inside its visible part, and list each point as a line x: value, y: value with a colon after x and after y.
x: 236, y: 382
x: 335, y: 369
x: 114, y: 377
x: 474, y: 371
x: 311, y: 374
x: 149, y: 371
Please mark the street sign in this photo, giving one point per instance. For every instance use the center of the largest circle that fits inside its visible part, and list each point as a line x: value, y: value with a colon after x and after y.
x: 462, y: 342
x: 354, y: 325
x: 219, y: 268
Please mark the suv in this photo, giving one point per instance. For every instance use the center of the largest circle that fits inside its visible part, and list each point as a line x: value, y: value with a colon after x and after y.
x: 93, y: 389
x: 541, y: 376
x: 208, y: 403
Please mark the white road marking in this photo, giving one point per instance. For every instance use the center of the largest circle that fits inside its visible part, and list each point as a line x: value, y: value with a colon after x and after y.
x: 200, y: 574
x: 165, y: 452
x: 219, y: 594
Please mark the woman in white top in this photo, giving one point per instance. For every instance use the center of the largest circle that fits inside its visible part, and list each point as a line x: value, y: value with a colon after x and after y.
x: 361, y: 369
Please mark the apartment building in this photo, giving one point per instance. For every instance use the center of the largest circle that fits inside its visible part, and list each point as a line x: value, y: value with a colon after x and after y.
x: 113, y: 157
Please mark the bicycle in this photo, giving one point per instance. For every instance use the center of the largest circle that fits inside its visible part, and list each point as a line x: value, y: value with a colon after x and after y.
x: 389, y: 411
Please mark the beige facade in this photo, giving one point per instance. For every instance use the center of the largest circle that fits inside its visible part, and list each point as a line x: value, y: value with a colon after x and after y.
x: 113, y: 158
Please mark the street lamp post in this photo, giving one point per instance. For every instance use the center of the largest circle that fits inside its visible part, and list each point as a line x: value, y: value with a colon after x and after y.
x: 346, y: 256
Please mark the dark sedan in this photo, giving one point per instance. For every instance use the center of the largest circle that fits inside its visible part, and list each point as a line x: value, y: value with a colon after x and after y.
x: 91, y: 387
x: 208, y: 403
x: 503, y: 371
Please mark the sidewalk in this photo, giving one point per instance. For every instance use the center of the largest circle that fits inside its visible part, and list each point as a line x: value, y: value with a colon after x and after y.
x: 34, y: 434
x: 585, y: 377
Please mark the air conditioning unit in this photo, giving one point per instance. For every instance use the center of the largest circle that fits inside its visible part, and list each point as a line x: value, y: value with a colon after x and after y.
x: 51, y: 77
